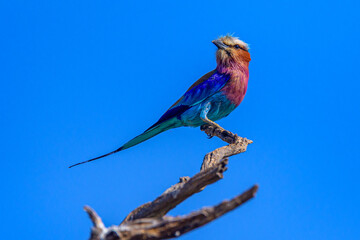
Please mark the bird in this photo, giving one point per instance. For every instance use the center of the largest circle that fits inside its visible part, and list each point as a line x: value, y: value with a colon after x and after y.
x: 214, y: 96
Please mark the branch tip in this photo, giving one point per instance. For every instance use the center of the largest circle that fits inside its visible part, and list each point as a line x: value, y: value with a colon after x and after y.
x: 94, y: 217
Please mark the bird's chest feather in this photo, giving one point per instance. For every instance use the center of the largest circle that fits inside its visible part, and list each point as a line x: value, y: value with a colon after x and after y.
x: 235, y: 89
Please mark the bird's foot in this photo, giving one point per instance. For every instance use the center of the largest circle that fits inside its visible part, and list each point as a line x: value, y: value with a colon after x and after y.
x: 220, y: 132
x: 208, y: 129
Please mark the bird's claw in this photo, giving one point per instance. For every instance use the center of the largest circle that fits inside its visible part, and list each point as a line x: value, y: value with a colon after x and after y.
x: 209, y: 136
x: 208, y: 129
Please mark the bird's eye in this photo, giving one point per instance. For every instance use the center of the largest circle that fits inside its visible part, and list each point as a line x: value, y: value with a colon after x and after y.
x: 238, y: 46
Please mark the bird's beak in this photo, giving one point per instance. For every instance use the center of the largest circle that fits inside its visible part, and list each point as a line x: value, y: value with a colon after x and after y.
x: 219, y: 44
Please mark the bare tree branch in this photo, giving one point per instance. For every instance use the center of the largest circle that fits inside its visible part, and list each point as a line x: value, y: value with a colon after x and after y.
x: 170, y: 227
x: 178, y: 193
x: 149, y: 221
x: 236, y: 145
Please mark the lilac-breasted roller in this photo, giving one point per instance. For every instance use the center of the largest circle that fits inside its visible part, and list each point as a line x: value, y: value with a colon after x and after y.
x: 214, y: 96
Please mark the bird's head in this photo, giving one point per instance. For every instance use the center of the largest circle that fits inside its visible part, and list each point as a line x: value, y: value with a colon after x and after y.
x: 231, y: 52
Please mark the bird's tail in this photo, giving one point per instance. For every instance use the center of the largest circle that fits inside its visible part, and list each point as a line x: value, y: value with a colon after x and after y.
x: 149, y: 133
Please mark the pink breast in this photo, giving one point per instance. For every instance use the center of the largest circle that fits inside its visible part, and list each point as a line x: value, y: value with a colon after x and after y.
x: 235, y: 89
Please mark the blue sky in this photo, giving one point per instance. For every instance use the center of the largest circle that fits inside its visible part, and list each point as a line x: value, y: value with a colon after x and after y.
x: 80, y: 78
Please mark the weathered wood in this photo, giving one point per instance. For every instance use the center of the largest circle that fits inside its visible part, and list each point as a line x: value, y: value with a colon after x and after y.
x: 178, y: 193
x: 236, y: 145
x: 149, y: 221
x: 168, y: 227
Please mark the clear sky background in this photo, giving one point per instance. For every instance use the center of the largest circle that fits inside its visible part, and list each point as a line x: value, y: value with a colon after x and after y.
x: 80, y: 78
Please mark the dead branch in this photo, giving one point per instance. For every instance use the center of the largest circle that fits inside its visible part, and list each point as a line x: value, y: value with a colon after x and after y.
x: 178, y: 193
x: 149, y: 221
x: 167, y: 227
x: 236, y: 145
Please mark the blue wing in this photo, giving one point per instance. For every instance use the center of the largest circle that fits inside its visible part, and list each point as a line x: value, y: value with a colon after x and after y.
x: 203, y: 90
x: 205, y: 87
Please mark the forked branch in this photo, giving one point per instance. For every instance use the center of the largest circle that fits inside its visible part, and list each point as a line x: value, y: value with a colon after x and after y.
x: 149, y: 221
x: 166, y: 227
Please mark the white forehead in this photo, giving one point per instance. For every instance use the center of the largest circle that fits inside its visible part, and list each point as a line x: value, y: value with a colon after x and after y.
x: 234, y: 40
